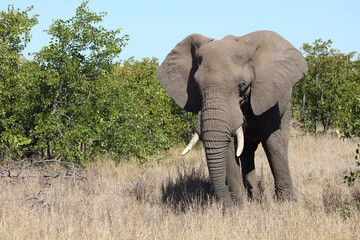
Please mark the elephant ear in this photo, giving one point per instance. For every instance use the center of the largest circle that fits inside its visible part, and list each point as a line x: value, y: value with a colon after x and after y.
x: 176, y: 73
x: 278, y: 65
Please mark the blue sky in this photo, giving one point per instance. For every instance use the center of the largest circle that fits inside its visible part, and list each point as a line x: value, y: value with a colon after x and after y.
x: 156, y: 26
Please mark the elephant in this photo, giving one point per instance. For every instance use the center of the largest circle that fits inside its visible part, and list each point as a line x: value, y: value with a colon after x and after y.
x: 240, y: 89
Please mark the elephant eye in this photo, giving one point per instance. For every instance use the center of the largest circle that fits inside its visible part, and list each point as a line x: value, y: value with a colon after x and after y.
x: 242, y: 88
x: 241, y: 85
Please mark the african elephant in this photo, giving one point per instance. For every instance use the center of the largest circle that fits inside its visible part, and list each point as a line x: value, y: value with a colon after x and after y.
x: 240, y: 87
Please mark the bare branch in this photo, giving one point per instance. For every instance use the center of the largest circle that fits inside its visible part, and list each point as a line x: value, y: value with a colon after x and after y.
x: 44, y: 169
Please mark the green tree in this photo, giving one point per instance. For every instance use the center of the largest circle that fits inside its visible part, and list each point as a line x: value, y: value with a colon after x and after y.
x: 141, y: 117
x: 77, y: 60
x: 319, y: 96
x: 349, y: 106
x: 15, y: 26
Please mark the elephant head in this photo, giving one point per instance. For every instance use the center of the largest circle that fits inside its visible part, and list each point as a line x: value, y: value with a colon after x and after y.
x: 214, y: 78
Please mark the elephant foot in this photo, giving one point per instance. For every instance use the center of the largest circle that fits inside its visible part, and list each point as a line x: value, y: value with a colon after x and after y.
x: 237, y: 193
x: 238, y: 201
x: 252, y: 185
x: 287, y: 194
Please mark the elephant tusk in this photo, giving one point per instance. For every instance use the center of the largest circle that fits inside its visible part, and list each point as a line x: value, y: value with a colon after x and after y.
x: 192, y: 142
x: 240, y: 141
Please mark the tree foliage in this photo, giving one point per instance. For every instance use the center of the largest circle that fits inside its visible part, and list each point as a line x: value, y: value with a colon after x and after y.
x: 327, y: 95
x: 78, y: 58
x: 142, y: 117
x: 73, y: 101
x: 15, y: 26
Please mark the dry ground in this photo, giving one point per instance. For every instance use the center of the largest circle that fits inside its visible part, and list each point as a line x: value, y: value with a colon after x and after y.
x: 171, y: 198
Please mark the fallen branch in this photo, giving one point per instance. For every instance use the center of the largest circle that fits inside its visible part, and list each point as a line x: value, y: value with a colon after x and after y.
x: 44, y: 169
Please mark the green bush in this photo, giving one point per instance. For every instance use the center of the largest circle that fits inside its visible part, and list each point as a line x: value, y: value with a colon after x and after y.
x: 329, y: 94
x: 72, y: 102
x: 76, y: 61
x: 142, y: 118
x: 15, y: 26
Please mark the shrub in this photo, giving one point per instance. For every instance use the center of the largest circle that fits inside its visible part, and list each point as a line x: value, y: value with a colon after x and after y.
x: 15, y: 26
x: 329, y: 94
x: 142, y: 118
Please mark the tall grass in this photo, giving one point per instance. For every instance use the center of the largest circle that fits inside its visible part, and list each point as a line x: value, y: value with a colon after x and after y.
x: 172, y: 198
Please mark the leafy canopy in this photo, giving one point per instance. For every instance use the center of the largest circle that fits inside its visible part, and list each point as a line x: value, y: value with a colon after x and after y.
x: 15, y: 26
x: 72, y: 66
x: 74, y: 102
x: 324, y: 95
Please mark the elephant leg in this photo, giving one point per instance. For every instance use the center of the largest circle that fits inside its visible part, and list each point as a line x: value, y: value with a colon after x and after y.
x: 276, y: 152
x: 248, y: 169
x: 234, y: 176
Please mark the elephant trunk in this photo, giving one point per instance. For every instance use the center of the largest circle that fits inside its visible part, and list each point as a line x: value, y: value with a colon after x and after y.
x: 217, y: 128
x: 216, y: 146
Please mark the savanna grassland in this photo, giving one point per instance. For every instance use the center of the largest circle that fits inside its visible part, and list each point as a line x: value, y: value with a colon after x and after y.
x: 75, y: 101
x: 170, y: 197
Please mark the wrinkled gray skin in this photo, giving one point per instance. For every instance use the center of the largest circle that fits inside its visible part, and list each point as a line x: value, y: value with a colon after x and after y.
x: 237, y: 82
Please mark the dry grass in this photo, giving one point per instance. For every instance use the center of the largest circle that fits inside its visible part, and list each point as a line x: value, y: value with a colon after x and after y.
x: 174, y: 200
